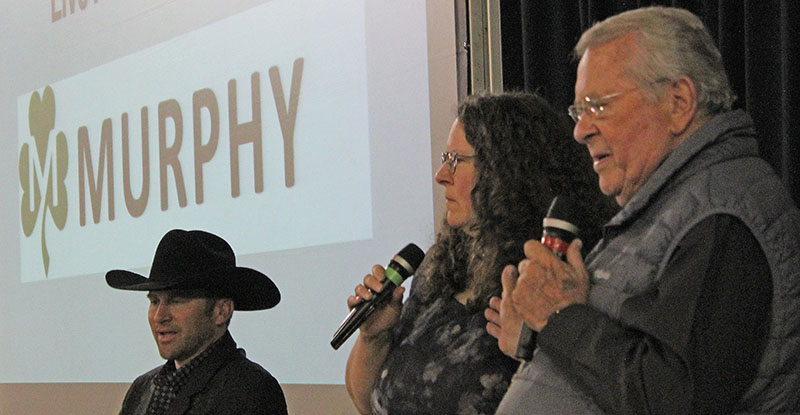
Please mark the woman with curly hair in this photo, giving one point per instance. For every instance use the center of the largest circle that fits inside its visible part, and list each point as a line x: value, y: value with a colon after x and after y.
x: 507, y: 156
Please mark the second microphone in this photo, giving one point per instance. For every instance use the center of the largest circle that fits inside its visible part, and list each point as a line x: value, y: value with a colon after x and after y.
x: 400, y: 267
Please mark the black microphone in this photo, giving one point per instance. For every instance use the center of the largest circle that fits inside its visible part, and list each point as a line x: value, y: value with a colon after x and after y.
x: 400, y: 267
x: 558, y: 231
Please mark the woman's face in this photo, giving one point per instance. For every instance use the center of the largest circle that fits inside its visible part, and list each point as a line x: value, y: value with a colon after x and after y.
x: 458, y: 185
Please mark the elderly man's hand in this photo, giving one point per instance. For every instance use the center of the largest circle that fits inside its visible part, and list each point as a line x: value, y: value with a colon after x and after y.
x: 546, y: 284
x: 503, y: 321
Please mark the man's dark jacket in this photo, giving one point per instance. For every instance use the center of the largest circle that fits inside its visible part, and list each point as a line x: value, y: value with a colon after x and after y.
x: 226, y: 382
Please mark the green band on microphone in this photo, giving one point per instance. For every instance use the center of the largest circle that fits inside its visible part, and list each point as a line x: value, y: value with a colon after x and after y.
x: 394, y: 276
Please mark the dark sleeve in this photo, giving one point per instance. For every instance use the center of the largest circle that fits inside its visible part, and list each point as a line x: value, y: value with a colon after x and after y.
x: 273, y: 402
x: 138, y: 396
x: 242, y: 387
x: 259, y: 394
x: 690, y: 344
x: 264, y: 397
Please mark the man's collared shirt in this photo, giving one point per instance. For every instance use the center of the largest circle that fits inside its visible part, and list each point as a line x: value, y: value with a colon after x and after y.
x: 170, y: 380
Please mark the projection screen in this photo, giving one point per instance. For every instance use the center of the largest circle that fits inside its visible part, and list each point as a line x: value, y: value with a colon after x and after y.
x: 298, y: 130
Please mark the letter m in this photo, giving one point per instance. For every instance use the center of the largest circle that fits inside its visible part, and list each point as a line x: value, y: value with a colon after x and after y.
x: 86, y: 172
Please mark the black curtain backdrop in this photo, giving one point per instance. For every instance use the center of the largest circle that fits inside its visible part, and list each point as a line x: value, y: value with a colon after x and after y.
x: 759, y: 41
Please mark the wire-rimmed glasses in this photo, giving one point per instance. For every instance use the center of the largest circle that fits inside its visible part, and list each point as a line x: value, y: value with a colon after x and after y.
x: 452, y: 159
x: 595, y: 107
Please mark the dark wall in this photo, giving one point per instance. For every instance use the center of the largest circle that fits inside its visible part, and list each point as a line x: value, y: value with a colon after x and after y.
x: 757, y: 40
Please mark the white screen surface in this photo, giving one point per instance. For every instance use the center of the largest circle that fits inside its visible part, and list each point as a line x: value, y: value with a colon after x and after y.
x: 353, y: 192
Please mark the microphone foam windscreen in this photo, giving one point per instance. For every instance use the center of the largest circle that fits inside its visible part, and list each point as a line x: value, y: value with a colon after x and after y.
x: 412, y: 254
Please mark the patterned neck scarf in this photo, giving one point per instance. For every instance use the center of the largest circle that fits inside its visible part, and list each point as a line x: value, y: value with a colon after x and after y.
x: 169, y: 381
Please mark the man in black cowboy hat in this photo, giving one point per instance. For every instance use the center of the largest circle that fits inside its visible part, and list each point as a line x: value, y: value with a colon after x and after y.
x: 194, y: 287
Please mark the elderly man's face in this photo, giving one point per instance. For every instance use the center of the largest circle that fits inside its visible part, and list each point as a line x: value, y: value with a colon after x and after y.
x: 630, y: 139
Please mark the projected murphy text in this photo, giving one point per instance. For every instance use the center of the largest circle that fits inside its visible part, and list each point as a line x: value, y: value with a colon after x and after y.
x: 167, y: 137
x: 170, y: 147
x: 45, y: 173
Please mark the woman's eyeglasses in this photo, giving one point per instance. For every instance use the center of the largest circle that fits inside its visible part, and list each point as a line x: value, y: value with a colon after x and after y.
x: 452, y: 160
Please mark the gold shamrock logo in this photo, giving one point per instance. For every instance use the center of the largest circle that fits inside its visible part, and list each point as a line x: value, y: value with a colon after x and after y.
x: 32, y: 172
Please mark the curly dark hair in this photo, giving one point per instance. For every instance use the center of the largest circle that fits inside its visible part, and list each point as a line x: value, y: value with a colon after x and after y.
x: 525, y: 156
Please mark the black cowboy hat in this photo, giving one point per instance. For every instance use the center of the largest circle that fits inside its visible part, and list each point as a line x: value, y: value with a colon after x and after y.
x: 198, y: 260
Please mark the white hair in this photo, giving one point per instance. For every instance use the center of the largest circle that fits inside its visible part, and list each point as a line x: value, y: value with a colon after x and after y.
x: 671, y: 42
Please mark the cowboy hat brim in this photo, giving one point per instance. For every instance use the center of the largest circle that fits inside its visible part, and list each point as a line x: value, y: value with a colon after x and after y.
x: 249, y: 289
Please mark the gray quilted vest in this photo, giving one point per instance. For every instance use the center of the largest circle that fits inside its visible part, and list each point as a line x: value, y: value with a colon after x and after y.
x: 715, y: 171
